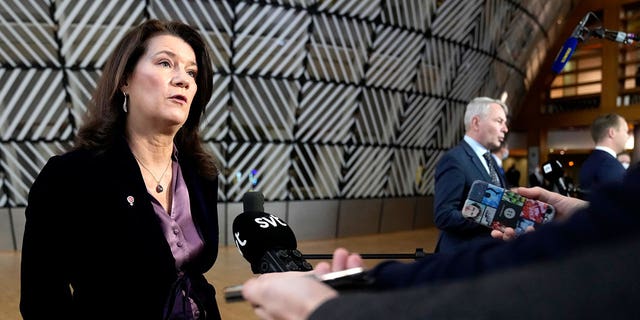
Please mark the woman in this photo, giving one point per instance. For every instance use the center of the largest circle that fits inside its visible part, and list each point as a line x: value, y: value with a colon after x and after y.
x: 125, y: 225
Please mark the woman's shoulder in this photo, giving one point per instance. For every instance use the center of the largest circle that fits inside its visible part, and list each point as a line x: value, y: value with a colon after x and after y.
x: 59, y: 169
x: 72, y: 157
x: 73, y: 161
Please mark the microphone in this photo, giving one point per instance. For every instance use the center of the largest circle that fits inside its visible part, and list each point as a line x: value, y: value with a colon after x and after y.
x: 570, y: 45
x: 617, y: 36
x: 552, y: 170
x: 269, y: 245
x: 264, y: 240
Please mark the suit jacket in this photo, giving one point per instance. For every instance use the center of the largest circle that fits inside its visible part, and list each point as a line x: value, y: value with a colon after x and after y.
x: 455, y: 172
x: 600, y: 168
x: 599, y: 283
x: 89, y: 254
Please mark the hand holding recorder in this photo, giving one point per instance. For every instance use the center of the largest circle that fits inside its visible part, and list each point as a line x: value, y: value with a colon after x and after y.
x: 279, y: 295
x: 565, y: 207
x: 498, y: 208
x: 345, y: 272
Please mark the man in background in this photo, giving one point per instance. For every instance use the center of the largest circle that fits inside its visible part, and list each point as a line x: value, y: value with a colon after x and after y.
x: 610, y: 133
x: 485, y: 122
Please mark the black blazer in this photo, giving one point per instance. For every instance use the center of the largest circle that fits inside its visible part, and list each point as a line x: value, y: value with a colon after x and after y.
x: 455, y: 172
x: 598, y: 169
x: 88, y: 254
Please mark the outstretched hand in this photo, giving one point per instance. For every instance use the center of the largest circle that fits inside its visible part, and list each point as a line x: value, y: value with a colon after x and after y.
x: 295, y: 295
x: 342, y: 260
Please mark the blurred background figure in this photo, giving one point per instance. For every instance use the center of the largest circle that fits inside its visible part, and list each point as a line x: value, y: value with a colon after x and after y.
x: 513, y: 176
x: 610, y: 133
x: 536, y: 179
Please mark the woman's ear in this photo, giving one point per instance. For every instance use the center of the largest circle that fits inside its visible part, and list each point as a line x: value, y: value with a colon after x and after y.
x: 124, y: 86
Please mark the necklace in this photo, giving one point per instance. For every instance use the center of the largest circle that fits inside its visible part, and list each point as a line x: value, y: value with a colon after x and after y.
x: 159, y: 187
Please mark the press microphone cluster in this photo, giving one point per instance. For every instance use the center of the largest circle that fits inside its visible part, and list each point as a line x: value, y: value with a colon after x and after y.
x: 269, y: 244
x: 264, y: 240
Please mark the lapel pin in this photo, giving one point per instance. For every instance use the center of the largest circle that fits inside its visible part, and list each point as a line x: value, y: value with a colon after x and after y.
x: 130, y: 200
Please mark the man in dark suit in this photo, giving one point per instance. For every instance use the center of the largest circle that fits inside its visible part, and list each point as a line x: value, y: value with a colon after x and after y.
x: 610, y: 132
x: 485, y: 122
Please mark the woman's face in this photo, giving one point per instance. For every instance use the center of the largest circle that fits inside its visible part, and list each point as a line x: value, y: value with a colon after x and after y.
x: 162, y: 85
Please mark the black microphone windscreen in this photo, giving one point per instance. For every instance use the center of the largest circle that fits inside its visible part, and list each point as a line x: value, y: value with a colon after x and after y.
x: 255, y: 233
x: 552, y: 170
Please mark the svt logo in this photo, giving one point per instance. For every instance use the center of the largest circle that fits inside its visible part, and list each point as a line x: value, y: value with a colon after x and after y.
x: 272, y: 220
x: 238, y: 241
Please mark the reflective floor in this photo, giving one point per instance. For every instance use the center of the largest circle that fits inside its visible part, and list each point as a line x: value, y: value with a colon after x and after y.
x: 231, y: 268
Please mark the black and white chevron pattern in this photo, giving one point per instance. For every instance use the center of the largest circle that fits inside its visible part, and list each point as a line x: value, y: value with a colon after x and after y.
x: 313, y: 99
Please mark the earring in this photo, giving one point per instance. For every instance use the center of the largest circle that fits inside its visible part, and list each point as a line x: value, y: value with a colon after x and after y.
x: 124, y: 103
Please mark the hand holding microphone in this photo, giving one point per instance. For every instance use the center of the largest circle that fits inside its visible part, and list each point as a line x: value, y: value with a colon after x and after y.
x: 269, y: 245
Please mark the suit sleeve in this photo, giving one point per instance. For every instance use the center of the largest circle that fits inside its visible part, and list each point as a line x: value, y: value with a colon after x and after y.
x: 450, y: 194
x: 555, y: 290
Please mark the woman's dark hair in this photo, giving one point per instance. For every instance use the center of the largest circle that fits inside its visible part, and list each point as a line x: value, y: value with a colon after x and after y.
x: 105, y: 119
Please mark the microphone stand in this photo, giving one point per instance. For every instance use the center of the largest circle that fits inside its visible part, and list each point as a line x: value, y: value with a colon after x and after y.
x: 418, y: 254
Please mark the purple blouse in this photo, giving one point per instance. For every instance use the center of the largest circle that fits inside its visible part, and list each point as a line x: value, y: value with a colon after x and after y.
x: 178, y: 227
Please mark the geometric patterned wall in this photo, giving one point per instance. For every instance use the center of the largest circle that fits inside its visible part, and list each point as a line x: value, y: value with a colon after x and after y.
x: 312, y: 99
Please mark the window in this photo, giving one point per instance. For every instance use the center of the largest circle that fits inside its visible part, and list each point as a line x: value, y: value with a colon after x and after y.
x: 629, y: 58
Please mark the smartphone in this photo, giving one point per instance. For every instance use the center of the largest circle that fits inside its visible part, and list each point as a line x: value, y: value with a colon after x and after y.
x: 497, y: 208
x: 340, y: 280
